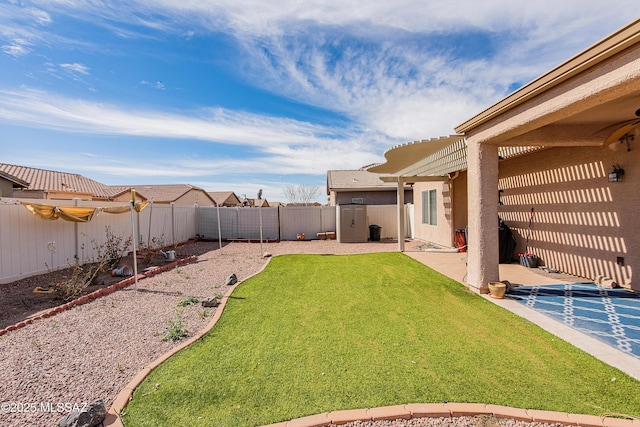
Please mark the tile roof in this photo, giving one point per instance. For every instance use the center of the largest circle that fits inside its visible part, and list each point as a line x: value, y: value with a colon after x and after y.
x: 165, y: 193
x: 15, y: 180
x: 113, y: 191
x: 356, y: 179
x: 48, y: 180
x: 224, y: 196
x: 258, y: 202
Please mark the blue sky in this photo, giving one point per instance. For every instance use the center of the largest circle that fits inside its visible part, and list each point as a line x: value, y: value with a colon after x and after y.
x: 241, y: 95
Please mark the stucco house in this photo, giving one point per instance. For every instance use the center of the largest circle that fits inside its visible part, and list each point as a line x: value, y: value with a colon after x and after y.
x: 33, y: 183
x: 10, y: 183
x: 225, y: 198
x: 180, y: 194
x: 258, y: 203
x: 555, y: 147
x: 362, y: 187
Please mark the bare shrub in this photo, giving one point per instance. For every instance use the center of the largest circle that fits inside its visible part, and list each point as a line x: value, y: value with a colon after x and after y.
x: 152, y: 250
x: 83, y: 276
x: 113, y: 249
x: 109, y: 255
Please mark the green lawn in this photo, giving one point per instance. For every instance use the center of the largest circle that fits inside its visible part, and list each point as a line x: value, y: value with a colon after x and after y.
x: 317, y: 333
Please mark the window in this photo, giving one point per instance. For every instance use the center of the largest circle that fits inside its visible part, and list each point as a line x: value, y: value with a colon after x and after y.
x: 430, y: 207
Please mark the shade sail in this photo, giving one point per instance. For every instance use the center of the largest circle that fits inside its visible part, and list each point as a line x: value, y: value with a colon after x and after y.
x: 77, y: 213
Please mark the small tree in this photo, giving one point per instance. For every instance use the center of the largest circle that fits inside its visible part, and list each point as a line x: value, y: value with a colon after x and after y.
x: 301, y: 194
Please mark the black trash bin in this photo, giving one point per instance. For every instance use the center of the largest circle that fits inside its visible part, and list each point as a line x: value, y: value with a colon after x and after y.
x: 374, y: 233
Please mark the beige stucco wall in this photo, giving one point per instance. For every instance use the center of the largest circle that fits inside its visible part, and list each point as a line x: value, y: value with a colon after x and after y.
x: 581, y: 222
x: 51, y: 195
x: 369, y: 197
x: 6, y: 188
x: 452, y: 210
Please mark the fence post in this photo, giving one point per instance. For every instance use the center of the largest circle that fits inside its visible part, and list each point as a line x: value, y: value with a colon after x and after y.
x: 173, y: 224
x: 196, y: 223
x: 139, y: 235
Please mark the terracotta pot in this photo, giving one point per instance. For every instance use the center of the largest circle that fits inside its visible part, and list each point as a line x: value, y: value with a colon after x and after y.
x: 497, y: 290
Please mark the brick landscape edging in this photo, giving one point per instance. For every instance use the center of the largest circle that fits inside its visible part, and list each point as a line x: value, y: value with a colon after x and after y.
x: 413, y: 410
x: 112, y: 418
x: 98, y: 293
x: 452, y: 409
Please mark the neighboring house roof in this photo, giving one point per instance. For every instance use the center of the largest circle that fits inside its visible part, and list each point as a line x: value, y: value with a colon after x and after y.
x: 259, y: 202
x: 14, y: 180
x: 351, y: 180
x: 114, y: 191
x: 166, y: 193
x: 299, y: 204
x: 48, y: 180
x: 225, y: 197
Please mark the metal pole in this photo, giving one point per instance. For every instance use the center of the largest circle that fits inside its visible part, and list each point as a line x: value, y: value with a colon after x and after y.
x: 149, y: 234
x: 219, y: 229
x: 173, y: 224
x: 260, y: 214
x: 133, y: 232
x: 75, y: 234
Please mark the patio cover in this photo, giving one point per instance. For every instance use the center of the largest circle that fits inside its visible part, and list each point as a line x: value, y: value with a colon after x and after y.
x: 408, y: 159
x: 434, y: 159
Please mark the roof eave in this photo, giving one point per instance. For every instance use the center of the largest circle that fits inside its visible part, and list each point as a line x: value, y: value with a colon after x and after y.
x: 615, y: 43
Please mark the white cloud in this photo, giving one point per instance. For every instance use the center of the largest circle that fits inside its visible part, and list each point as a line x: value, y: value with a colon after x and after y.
x: 16, y: 48
x: 416, y: 16
x: 281, y: 144
x: 41, y: 109
x: 397, y: 86
x: 157, y: 85
x: 76, y: 68
x: 39, y: 16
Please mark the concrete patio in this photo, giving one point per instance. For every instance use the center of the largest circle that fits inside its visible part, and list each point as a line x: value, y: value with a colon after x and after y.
x: 453, y: 265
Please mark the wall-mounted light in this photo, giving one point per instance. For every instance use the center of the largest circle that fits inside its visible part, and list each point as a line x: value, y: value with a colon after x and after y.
x: 627, y: 138
x: 617, y: 174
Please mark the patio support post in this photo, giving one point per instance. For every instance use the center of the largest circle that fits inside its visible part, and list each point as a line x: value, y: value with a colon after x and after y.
x: 401, y: 215
x: 483, y: 252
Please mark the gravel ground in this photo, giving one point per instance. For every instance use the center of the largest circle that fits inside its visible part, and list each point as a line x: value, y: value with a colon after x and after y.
x: 92, y: 351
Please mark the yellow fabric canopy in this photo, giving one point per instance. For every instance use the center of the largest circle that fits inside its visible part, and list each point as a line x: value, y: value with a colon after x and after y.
x: 77, y: 213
